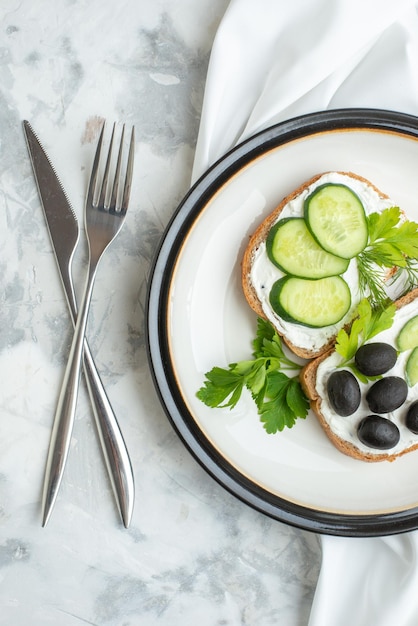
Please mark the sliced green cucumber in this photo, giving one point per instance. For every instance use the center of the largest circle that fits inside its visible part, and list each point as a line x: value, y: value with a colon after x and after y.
x: 314, y: 303
x: 292, y: 248
x: 408, y: 336
x: 336, y: 218
x: 411, y: 369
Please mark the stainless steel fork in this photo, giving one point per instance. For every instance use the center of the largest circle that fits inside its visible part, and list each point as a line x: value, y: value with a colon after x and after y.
x: 105, y: 214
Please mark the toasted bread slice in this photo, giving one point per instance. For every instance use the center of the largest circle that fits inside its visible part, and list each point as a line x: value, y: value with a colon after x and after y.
x: 349, y: 445
x: 306, y: 342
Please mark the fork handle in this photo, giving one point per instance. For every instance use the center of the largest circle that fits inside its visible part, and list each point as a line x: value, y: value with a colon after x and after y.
x: 115, y: 453
x: 113, y: 445
x: 64, y: 416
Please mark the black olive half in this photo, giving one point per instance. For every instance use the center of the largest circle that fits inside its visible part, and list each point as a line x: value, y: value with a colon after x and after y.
x: 378, y: 432
x: 387, y: 394
x: 411, y: 420
x: 343, y: 392
x: 376, y: 358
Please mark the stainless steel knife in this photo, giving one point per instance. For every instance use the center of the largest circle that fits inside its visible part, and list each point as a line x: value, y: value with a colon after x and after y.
x: 64, y: 233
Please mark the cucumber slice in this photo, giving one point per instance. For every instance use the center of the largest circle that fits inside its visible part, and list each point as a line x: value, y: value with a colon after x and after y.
x: 408, y: 336
x: 411, y: 369
x: 291, y: 247
x: 336, y: 218
x: 314, y: 303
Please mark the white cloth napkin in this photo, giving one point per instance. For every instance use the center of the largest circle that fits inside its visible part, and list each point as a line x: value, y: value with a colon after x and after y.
x: 272, y: 60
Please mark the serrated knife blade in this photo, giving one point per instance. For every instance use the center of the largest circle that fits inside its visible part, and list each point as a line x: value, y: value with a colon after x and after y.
x: 59, y: 215
x: 64, y: 233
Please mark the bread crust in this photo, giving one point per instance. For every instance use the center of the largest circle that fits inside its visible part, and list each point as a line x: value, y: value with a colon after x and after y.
x: 308, y: 376
x: 260, y: 235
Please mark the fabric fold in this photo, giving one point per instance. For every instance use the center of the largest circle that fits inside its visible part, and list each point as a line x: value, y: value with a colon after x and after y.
x: 367, y: 582
x: 274, y: 60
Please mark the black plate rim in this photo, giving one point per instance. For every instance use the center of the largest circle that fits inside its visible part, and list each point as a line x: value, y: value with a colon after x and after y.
x: 156, y: 330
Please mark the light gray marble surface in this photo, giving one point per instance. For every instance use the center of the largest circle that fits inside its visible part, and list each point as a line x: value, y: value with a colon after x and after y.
x: 193, y: 553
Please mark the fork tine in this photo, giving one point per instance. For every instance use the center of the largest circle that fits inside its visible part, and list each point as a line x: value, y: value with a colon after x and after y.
x: 114, y: 196
x: 95, y: 168
x: 129, y: 173
x: 102, y: 198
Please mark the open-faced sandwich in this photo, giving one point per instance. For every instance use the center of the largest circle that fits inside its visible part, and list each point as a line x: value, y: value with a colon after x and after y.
x: 364, y: 391
x: 303, y: 266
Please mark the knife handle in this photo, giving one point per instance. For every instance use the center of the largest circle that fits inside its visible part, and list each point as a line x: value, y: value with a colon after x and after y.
x: 64, y: 416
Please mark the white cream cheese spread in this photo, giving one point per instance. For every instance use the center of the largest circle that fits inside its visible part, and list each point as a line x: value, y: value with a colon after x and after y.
x: 264, y: 273
x: 346, y: 427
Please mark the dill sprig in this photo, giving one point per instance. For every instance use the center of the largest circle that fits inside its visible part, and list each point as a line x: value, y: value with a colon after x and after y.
x: 392, y: 246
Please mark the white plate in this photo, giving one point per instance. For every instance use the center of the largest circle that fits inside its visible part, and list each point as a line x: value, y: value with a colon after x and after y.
x: 198, y: 318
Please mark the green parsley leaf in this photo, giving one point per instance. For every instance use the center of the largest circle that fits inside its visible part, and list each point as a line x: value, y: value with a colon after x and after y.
x: 279, y: 398
x: 220, y: 385
x: 268, y: 344
x: 265, y: 332
x: 383, y: 223
x: 405, y: 238
x: 368, y: 323
x: 347, y: 343
x: 375, y: 321
x: 256, y: 380
x: 287, y: 402
x: 296, y: 399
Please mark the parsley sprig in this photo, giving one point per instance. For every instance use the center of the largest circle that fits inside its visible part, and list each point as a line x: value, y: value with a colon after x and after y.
x: 392, y: 244
x: 279, y: 398
x: 368, y: 323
